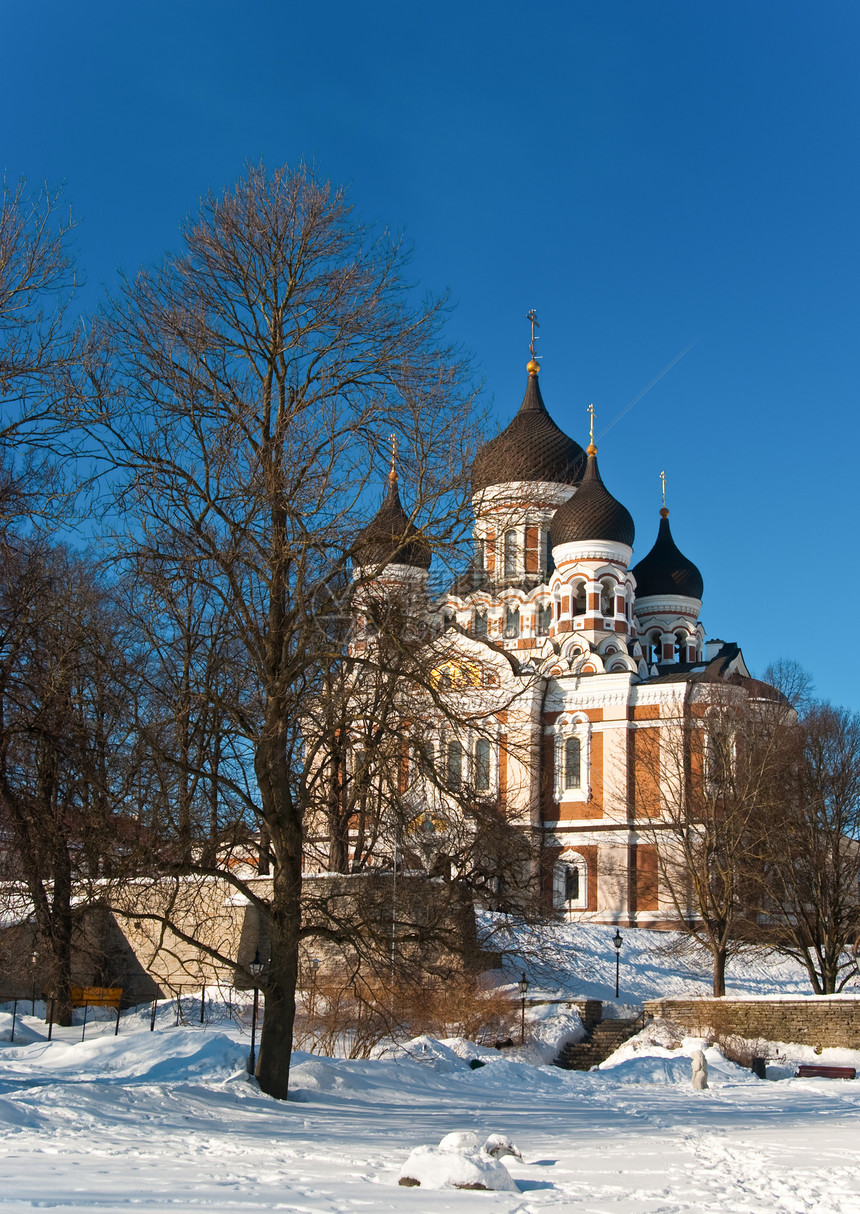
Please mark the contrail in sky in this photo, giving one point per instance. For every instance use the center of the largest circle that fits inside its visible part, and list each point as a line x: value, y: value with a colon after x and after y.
x: 648, y: 387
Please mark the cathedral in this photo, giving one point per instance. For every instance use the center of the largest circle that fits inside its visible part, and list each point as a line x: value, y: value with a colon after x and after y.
x: 585, y: 654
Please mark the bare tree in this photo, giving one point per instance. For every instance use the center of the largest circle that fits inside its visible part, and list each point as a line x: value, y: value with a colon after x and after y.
x: 256, y: 376
x: 39, y: 347
x: 65, y: 739
x: 705, y: 787
x: 809, y: 891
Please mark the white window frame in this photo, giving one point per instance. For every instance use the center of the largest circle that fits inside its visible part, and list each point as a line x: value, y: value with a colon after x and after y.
x: 510, y: 553
x: 569, y: 859
x: 572, y: 725
x: 543, y: 605
x: 715, y: 786
x: 512, y: 610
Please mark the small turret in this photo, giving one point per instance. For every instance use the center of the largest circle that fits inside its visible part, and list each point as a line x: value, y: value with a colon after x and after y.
x: 668, y: 598
x: 390, y: 538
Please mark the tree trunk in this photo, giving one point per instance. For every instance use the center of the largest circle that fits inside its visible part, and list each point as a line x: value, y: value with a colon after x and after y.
x: 285, y: 916
x: 60, y: 938
x: 719, y: 954
x: 276, y: 1034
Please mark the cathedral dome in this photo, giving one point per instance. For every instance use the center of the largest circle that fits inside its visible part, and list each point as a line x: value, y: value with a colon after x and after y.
x: 592, y: 513
x: 531, y: 448
x: 665, y: 570
x: 390, y: 538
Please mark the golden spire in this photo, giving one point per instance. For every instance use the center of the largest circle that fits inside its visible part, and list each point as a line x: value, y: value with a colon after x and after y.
x: 532, y: 366
x: 664, y: 513
x: 392, y: 476
x: 591, y: 449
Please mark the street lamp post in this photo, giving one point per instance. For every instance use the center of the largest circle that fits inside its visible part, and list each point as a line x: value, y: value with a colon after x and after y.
x: 256, y: 968
x: 523, y: 984
x: 617, y: 940
x: 34, y: 960
x: 312, y: 1010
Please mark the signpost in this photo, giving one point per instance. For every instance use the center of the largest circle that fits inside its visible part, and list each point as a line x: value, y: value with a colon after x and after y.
x: 97, y: 996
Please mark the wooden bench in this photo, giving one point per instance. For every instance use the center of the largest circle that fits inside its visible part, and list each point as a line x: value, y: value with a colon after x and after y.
x: 813, y: 1071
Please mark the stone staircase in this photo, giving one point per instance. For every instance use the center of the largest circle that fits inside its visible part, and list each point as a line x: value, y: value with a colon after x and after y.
x: 604, y: 1037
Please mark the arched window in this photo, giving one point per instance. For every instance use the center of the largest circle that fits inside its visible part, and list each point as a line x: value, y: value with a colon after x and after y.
x: 720, y: 758
x: 572, y: 763
x: 480, y: 558
x: 479, y: 622
x: 571, y: 758
x: 607, y: 597
x: 425, y: 754
x: 510, y: 550
x: 680, y: 647
x: 543, y: 541
x: 454, y: 765
x: 512, y: 621
x: 482, y: 765
x: 543, y: 615
x: 655, y: 648
x: 359, y: 768
x: 570, y: 882
x: 580, y: 599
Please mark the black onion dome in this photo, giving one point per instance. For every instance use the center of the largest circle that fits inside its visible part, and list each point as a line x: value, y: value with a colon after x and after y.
x: 665, y: 570
x: 388, y: 537
x: 591, y: 514
x: 531, y: 448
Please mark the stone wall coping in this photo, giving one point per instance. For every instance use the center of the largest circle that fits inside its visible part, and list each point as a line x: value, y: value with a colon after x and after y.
x: 724, y: 1000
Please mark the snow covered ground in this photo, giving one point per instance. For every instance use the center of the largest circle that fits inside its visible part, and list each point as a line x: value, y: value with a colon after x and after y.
x: 579, y: 959
x: 168, y: 1122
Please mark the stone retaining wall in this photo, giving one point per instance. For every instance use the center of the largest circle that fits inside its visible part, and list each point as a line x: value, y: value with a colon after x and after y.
x: 815, y: 1020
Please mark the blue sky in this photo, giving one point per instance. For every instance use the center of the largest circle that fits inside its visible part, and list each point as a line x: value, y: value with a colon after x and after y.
x: 646, y: 175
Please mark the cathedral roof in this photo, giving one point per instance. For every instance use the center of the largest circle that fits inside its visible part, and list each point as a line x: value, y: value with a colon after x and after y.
x: 390, y: 537
x: 592, y: 513
x: 665, y: 570
x: 531, y: 448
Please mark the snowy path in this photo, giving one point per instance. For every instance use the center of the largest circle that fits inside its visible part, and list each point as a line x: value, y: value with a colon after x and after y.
x: 166, y: 1124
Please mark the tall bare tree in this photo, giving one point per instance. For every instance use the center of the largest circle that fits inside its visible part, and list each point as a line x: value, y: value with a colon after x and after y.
x: 704, y: 797
x: 809, y: 890
x: 65, y: 743
x: 39, y: 346
x: 256, y: 375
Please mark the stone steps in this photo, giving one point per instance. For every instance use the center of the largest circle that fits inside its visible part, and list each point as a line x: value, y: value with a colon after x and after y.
x: 604, y: 1038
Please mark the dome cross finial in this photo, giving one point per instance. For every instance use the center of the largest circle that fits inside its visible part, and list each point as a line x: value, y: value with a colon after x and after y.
x: 392, y: 475
x: 664, y: 513
x: 591, y: 449
x: 533, y: 366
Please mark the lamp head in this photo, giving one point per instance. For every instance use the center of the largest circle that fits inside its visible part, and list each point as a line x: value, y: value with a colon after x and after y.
x: 617, y: 939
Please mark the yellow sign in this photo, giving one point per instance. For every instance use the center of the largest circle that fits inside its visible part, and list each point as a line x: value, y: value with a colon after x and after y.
x: 96, y: 996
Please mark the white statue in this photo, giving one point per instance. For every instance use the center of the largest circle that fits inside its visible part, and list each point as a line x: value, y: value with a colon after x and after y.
x: 700, y: 1071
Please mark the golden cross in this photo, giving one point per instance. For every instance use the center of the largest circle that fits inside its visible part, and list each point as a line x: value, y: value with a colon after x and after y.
x: 591, y: 424
x: 532, y: 316
x: 663, y: 479
x: 393, y: 472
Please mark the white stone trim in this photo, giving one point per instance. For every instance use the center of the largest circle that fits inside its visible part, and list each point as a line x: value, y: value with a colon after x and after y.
x: 668, y: 604
x: 383, y: 572
x: 592, y: 550
x: 516, y: 493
